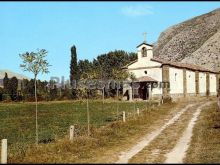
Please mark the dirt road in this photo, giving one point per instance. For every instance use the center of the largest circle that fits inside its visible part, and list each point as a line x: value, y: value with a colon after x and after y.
x: 178, y: 153
x: 178, y: 130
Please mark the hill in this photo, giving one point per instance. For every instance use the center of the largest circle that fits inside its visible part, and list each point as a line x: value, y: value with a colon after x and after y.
x: 10, y: 75
x: 196, y: 41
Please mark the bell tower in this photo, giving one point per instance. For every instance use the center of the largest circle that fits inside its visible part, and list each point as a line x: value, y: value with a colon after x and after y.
x: 145, y: 51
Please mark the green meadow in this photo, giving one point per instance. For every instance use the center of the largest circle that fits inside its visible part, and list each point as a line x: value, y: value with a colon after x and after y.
x: 17, y: 120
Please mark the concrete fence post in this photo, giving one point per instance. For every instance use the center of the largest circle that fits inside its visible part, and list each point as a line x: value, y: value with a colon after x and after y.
x: 123, y: 116
x: 4, y: 152
x: 138, y: 111
x: 72, y: 130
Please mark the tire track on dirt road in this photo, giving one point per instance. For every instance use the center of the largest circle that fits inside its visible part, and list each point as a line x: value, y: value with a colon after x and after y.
x: 156, y: 151
x: 177, y: 154
x: 125, y: 156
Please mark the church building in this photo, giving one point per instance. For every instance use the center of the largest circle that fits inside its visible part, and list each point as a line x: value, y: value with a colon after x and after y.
x: 157, y: 78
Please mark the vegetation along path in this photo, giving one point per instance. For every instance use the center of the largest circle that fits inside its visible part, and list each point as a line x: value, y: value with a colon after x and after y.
x: 164, y: 143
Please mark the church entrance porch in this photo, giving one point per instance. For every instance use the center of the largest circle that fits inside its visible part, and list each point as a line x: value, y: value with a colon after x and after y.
x: 142, y: 88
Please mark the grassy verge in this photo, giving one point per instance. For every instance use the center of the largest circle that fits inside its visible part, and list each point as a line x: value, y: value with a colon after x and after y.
x: 205, y: 144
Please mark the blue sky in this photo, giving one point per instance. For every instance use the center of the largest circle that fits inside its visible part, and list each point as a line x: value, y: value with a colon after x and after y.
x: 94, y: 27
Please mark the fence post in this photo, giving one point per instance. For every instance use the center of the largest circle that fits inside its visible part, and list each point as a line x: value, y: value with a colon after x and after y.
x: 72, y: 130
x: 123, y: 116
x: 153, y: 106
x: 4, y: 152
x: 138, y: 111
x: 219, y: 102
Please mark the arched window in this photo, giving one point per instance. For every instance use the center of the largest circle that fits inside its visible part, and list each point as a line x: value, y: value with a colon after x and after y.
x: 175, y: 76
x: 144, y: 52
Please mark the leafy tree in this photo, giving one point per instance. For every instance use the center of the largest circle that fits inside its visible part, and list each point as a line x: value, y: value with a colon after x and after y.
x: 42, y: 90
x: 66, y: 93
x: 36, y: 63
x: 105, y: 66
x: 5, y: 83
x: 113, y: 60
x: 53, y: 93
x: 27, y: 89
x: 1, y: 93
x: 12, y: 88
x: 84, y: 66
x: 110, y: 66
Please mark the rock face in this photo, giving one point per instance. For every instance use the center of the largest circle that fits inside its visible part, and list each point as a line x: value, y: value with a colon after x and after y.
x: 195, y: 41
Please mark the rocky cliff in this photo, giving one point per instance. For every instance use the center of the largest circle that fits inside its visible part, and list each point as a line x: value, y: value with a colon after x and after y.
x: 195, y: 41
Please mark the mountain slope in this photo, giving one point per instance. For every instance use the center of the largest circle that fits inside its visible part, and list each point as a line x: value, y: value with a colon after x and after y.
x: 11, y: 74
x: 195, y: 41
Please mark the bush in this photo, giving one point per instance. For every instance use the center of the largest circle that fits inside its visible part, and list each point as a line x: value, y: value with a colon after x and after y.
x: 1, y: 94
x: 167, y: 99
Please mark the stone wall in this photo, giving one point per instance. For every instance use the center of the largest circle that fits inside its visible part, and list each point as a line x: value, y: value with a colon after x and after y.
x: 207, y: 84
x: 165, y: 78
x: 197, y: 82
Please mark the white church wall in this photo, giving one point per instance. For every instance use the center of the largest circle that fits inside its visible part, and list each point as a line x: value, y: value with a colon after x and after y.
x: 155, y: 73
x: 156, y: 91
x: 190, y: 82
x: 176, y: 80
x: 144, y: 62
x: 212, y: 82
x: 202, y: 83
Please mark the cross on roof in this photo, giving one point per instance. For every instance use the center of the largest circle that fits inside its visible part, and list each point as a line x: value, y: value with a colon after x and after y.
x: 145, y: 36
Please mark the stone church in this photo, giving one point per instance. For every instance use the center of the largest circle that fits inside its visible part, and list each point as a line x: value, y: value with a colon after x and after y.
x: 157, y: 78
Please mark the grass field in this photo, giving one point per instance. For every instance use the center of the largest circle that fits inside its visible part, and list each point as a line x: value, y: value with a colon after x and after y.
x: 103, y: 140
x: 205, y: 144
x: 17, y: 120
x: 17, y: 124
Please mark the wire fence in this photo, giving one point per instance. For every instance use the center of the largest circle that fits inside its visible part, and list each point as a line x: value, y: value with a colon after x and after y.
x: 17, y: 120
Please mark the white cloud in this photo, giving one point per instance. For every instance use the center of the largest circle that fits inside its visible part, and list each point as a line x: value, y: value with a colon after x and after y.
x: 138, y: 10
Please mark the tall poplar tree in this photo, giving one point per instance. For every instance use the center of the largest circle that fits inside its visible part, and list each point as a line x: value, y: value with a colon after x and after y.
x: 73, y: 69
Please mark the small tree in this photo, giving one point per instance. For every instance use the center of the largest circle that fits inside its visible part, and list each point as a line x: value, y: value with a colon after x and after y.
x: 1, y: 94
x: 12, y: 88
x: 35, y: 63
x: 5, y: 83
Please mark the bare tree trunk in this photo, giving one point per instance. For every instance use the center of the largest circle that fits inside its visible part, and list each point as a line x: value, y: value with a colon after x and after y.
x: 103, y: 97
x: 35, y: 92
x: 117, y: 102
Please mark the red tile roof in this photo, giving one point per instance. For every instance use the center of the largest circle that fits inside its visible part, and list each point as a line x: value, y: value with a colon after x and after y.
x: 145, y: 79
x: 182, y: 65
x: 126, y: 66
x: 144, y: 43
